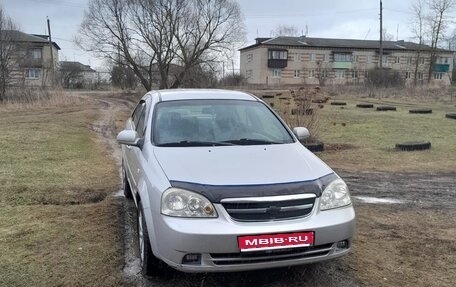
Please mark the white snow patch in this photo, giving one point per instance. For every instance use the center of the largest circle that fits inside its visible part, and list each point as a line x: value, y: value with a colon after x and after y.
x: 369, y: 199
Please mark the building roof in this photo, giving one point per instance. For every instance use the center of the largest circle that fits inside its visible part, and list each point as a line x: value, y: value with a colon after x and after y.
x: 18, y: 36
x: 75, y: 67
x: 303, y: 41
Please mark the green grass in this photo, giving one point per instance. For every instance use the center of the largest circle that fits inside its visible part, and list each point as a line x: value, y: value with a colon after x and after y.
x: 57, y: 225
x: 370, y: 136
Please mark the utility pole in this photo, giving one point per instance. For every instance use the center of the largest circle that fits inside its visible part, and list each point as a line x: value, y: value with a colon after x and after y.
x: 52, y: 52
x: 381, y: 35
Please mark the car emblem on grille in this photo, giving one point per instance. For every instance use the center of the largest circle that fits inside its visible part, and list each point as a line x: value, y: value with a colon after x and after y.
x: 273, y: 211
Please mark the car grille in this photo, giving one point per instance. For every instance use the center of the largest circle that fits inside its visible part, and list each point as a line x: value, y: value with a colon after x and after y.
x: 271, y: 255
x: 269, y: 210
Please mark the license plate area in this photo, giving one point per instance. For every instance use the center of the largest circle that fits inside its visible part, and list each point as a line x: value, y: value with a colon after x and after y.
x: 275, y: 241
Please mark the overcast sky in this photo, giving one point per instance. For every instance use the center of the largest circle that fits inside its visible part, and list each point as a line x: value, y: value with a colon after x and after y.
x: 356, y: 19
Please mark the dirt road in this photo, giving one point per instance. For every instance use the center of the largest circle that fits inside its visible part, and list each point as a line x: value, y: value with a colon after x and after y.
x: 388, y: 247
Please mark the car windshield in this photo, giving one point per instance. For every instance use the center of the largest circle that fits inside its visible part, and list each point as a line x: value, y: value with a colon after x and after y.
x: 216, y: 122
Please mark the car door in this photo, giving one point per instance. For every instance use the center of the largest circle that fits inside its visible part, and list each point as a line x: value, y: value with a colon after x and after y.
x: 135, y: 153
x: 129, y: 151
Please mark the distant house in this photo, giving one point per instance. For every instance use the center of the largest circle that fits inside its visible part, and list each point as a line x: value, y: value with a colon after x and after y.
x: 77, y: 75
x: 33, y: 63
x: 305, y: 60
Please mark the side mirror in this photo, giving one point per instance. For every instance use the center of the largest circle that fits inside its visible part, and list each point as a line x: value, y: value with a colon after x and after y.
x: 128, y: 137
x: 301, y: 133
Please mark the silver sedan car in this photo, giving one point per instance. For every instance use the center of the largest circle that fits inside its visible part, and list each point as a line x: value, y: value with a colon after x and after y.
x: 222, y: 184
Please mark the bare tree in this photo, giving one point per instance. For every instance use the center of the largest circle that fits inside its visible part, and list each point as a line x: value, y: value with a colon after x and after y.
x: 417, y: 27
x: 438, y: 20
x: 153, y: 37
x: 7, y: 52
x: 285, y: 30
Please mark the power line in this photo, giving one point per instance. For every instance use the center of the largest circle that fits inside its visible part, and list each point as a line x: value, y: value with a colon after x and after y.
x: 309, y: 15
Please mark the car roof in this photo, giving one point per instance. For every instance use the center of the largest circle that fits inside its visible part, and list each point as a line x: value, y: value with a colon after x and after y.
x: 202, y: 94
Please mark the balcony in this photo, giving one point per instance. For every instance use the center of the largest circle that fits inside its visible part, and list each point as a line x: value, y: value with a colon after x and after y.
x: 441, y: 68
x: 343, y: 65
x: 277, y: 63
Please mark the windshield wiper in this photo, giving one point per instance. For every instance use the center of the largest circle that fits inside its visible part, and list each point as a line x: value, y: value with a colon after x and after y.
x: 246, y: 141
x: 194, y: 143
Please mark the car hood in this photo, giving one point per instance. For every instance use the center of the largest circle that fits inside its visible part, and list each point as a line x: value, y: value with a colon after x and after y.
x: 241, y: 165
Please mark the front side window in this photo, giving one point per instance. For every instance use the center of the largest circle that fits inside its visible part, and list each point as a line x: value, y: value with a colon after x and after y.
x: 216, y: 122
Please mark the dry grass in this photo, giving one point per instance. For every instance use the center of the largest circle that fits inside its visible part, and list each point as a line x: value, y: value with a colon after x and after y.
x: 404, y: 247
x: 58, y: 227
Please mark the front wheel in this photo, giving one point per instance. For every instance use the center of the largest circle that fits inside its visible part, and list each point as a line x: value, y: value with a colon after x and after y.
x: 150, y: 265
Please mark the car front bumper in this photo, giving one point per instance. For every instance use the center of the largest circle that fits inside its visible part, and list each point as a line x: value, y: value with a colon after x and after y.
x: 215, y: 240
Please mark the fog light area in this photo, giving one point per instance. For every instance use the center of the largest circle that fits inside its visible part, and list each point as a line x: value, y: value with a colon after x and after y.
x: 193, y: 259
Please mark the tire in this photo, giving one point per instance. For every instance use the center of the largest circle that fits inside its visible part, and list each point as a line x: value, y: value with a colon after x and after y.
x: 315, y: 147
x: 150, y: 265
x: 338, y: 103
x: 411, y: 146
x: 386, y: 108
x: 421, y: 111
x: 365, y: 106
x: 126, y: 186
x: 450, y: 116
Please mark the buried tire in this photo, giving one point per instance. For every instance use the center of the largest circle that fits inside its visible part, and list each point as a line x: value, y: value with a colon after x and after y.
x: 315, y: 146
x: 386, y: 108
x: 365, y: 106
x: 421, y: 111
x: 150, y: 265
x: 413, y: 145
x: 450, y: 116
x: 338, y: 103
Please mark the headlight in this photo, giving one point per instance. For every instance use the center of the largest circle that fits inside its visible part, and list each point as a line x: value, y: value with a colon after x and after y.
x: 184, y: 203
x: 335, y: 195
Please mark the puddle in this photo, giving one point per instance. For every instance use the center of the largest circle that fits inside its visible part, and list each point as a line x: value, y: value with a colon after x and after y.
x: 119, y: 194
x: 369, y: 199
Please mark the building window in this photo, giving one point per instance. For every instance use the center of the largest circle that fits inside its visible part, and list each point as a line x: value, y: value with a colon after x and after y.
x: 438, y: 76
x: 311, y: 73
x: 366, y: 74
x: 355, y: 74
x: 342, y: 57
x: 249, y: 58
x: 297, y: 57
x: 278, y: 55
x: 369, y: 59
x: 442, y: 60
x: 32, y: 74
x: 325, y: 58
x: 385, y: 59
x: 420, y: 76
x: 36, y: 53
x: 312, y: 57
x: 339, y: 74
x: 409, y: 60
x: 248, y: 74
x: 276, y: 73
x: 323, y: 74
x: 297, y: 73
x: 422, y: 61
x: 397, y: 59
x: 355, y: 58
x: 408, y: 75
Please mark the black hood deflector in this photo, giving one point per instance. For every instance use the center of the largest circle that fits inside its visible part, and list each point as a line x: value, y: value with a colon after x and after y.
x: 215, y: 193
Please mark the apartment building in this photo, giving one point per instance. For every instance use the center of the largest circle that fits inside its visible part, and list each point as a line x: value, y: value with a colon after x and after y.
x: 33, y: 64
x: 303, y: 60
